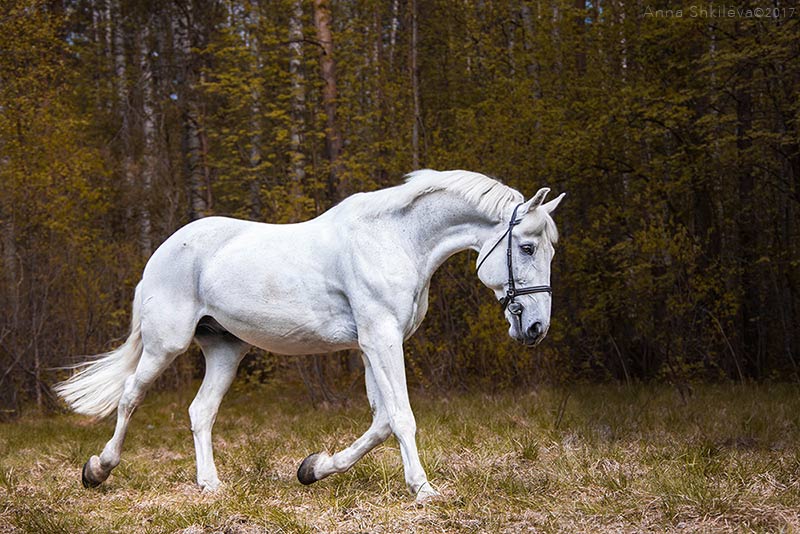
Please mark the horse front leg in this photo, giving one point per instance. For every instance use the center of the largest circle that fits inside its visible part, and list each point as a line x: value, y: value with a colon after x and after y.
x: 320, y: 465
x: 384, y: 349
x: 382, y: 344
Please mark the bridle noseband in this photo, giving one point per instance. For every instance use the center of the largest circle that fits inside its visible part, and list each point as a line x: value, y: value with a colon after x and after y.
x: 512, y: 291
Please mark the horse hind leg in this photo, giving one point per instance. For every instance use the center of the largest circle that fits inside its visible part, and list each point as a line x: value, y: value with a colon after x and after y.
x: 223, y: 352
x: 161, y: 345
x: 150, y: 367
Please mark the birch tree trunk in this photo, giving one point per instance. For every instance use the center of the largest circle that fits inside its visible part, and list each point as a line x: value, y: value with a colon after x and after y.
x: 148, y: 167
x: 194, y: 164
x: 298, y: 171
x: 122, y: 104
x: 395, y: 25
x: 256, y: 126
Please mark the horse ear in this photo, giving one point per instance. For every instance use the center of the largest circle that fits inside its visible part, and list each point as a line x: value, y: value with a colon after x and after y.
x: 553, y: 204
x: 533, y: 203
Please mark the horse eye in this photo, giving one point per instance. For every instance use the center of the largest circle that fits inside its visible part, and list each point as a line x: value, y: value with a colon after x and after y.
x: 527, y: 249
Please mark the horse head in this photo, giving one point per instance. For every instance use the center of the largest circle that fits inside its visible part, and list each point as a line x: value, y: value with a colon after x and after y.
x: 520, y: 277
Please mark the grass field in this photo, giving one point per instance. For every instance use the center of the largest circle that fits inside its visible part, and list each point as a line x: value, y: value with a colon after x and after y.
x: 587, y: 458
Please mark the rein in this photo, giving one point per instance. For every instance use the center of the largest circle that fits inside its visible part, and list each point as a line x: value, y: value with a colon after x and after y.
x: 512, y: 291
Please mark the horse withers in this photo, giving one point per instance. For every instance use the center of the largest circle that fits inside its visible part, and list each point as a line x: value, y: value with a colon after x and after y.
x: 357, y: 276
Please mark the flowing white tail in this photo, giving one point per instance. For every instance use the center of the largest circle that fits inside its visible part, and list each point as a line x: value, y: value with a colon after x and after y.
x: 96, y: 389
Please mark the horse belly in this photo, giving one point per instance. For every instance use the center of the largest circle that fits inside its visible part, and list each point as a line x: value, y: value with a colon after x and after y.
x: 287, y: 335
x: 279, y: 290
x: 286, y: 323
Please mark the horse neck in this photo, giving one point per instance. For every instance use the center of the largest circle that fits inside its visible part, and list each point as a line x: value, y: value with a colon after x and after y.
x: 445, y: 224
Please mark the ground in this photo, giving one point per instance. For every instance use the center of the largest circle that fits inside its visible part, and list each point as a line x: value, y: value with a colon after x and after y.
x: 583, y: 458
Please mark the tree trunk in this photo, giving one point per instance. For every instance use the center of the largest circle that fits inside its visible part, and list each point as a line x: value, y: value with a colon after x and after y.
x: 123, y: 106
x: 750, y: 304
x: 297, y: 164
x: 531, y: 63
x: 108, y: 30
x: 333, y: 138
x: 580, y: 24
x: 148, y: 167
x: 194, y: 165
x: 255, y: 155
x: 415, y: 87
x: 555, y: 36
x: 101, y: 30
x: 10, y: 270
x: 395, y: 25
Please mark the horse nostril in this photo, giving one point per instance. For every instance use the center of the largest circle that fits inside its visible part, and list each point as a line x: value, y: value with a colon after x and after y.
x: 535, y: 330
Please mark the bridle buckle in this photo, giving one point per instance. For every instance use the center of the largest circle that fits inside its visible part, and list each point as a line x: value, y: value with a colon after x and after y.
x: 515, y: 308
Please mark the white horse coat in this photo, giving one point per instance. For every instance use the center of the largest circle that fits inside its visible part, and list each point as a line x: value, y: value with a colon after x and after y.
x: 357, y: 276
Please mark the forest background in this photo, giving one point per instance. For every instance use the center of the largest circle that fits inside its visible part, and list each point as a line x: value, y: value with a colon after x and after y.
x: 674, y: 136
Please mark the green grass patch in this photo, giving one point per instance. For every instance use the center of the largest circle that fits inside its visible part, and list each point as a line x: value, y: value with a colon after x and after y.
x: 589, y: 458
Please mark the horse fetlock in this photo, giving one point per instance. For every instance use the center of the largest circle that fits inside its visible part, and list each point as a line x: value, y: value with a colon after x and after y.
x: 93, y: 473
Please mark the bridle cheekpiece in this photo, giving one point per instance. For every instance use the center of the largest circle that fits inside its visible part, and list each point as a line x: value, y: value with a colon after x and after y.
x: 512, y: 291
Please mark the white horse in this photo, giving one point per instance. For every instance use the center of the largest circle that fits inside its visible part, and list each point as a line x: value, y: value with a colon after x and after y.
x: 357, y: 276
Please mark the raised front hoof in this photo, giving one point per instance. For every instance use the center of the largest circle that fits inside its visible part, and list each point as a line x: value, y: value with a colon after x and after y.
x: 305, y: 473
x: 87, y: 478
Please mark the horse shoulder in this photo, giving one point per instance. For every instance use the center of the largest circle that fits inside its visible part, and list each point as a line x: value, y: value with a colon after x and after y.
x: 383, y: 278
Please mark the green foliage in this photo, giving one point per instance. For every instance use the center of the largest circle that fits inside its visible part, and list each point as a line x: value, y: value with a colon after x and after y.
x: 59, y: 259
x: 676, y: 140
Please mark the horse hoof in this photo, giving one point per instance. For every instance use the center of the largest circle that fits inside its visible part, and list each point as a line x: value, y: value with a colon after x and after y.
x: 85, y: 479
x: 305, y: 473
x: 426, y: 494
x: 211, y: 486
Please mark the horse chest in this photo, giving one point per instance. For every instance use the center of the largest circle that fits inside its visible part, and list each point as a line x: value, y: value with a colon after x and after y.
x: 420, y: 309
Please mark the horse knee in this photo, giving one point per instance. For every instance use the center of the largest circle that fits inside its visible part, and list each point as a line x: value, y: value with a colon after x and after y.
x: 404, y: 425
x: 383, y: 431
x: 199, y: 417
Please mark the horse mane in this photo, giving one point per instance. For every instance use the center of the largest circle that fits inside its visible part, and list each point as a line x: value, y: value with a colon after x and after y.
x: 487, y: 194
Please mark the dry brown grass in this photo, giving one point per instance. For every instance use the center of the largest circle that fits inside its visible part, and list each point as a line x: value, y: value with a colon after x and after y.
x: 614, y: 460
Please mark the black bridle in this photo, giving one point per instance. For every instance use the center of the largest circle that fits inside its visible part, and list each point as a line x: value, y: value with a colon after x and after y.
x: 512, y: 291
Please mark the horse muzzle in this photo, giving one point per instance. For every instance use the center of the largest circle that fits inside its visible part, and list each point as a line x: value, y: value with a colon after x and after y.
x: 534, y: 334
x: 530, y: 336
